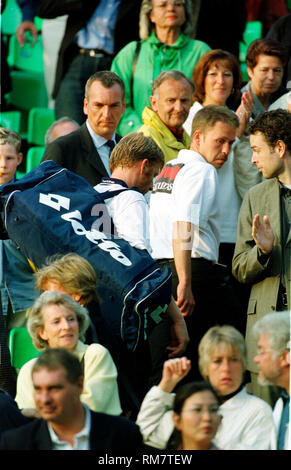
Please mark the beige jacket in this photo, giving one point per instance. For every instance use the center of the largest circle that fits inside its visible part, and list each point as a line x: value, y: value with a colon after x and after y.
x: 262, y: 199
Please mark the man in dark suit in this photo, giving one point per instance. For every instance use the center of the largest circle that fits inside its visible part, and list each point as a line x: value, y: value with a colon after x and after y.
x: 87, y: 150
x: 95, y: 31
x: 66, y: 423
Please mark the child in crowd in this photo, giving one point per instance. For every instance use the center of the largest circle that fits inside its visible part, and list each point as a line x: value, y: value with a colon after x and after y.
x: 17, y: 284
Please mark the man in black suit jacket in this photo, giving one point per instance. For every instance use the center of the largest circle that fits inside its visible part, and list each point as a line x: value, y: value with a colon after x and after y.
x: 95, y: 31
x: 65, y: 423
x: 86, y: 151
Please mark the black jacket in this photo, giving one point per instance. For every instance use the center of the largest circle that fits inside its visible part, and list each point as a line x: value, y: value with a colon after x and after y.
x: 79, y: 12
x: 76, y: 152
x: 108, y: 433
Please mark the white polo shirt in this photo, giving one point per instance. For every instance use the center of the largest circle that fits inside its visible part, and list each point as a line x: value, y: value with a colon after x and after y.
x: 186, y: 194
x: 230, y: 200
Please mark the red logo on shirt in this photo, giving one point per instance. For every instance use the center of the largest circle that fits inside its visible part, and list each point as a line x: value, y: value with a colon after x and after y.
x: 165, y: 180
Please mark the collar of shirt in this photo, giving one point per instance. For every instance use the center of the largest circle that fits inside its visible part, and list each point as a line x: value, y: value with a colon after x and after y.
x: 100, y: 145
x: 189, y: 155
x: 114, y: 181
x: 82, y: 438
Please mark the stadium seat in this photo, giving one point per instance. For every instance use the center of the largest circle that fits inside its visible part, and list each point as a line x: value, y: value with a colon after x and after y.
x: 10, y: 18
x: 28, y: 90
x: 33, y: 157
x: 20, y: 174
x: 27, y: 76
x: 11, y: 120
x: 26, y: 58
x: 253, y: 30
x: 21, y: 347
x: 39, y: 120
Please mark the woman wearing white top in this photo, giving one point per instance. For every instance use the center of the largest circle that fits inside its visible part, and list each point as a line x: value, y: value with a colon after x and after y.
x: 247, y: 422
x: 57, y: 321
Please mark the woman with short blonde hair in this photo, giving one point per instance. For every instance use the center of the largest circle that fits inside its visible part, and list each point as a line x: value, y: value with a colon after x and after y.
x: 35, y: 320
x: 227, y: 335
x: 247, y: 421
x: 57, y: 321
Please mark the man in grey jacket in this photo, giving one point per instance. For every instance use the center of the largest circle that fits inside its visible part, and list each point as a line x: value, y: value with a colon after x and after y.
x: 272, y: 333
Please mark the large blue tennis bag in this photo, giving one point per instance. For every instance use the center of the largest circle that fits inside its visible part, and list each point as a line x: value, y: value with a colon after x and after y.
x: 50, y: 211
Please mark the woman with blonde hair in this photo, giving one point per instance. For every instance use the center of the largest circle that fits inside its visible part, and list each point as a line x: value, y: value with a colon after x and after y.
x: 57, y: 321
x: 247, y: 422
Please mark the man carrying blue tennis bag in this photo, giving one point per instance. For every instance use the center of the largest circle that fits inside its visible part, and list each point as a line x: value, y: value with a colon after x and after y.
x: 49, y: 211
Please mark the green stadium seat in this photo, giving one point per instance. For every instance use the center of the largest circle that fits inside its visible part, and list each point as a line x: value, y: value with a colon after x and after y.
x: 22, y: 58
x: 33, y: 157
x: 11, y: 120
x: 28, y: 90
x: 27, y: 76
x: 39, y: 120
x: 20, y: 174
x: 21, y: 347
x: 10, y: 18
x: 253, y: 30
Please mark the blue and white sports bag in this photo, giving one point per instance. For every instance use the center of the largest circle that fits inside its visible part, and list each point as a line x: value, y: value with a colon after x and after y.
x: 49, y: 211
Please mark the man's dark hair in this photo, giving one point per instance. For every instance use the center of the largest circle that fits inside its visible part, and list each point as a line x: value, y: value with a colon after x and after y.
x: 55, y: 358
x: 108, y: 80
x: 274, y: 125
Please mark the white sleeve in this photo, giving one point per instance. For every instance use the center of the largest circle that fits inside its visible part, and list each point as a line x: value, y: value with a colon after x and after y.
x: 100, y: 391
x: 24, y: 388
x: 131, y: 219
x: 155, y: 418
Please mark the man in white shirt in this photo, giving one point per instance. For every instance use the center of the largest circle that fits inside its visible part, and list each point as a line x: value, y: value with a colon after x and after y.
x: 134, y: 163
x: 86, y: 151
x: 272, y: 334
x: 66, y: 424
x: 185, y: 225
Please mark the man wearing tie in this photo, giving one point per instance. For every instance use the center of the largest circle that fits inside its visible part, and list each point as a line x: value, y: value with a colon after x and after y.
x: 87, y: 150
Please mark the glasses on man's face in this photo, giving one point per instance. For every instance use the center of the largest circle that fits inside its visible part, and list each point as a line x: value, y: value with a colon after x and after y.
x: 176, y: 4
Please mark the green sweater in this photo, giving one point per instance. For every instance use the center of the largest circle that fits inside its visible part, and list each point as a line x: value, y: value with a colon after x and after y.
x: 153, y: 58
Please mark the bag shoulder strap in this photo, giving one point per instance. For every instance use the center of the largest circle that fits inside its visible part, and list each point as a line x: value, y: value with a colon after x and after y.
x: 133, y: 66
